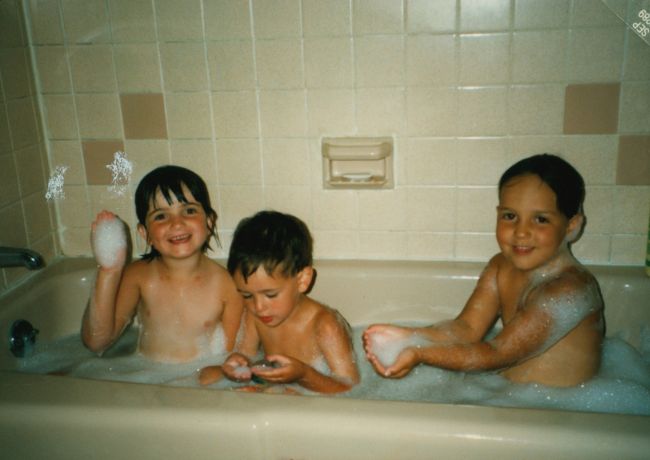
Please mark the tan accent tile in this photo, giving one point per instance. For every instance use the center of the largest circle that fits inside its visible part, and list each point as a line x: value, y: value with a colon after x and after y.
x: 633, y: 166
x: 591, y: 108
x: 144, y: 116
x: 97, y: 155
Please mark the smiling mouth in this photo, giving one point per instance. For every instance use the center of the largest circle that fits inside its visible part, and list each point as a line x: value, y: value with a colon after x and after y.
x: 265, y: 319
x: 180, y: 239
x: 522, y: 250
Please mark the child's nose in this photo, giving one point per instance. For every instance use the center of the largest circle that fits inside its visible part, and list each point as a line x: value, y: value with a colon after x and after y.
x: 522, y: 228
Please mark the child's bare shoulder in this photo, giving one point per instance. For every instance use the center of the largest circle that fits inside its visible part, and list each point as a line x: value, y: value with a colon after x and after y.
x: 572, y: 283
x: 328, y: 319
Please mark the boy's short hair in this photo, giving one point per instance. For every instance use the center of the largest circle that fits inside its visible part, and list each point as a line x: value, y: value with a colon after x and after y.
x: 272, y: 240
x: 558, y: 174
x: 169, y: 179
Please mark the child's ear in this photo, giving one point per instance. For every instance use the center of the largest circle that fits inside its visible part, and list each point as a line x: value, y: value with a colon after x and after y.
x: 305, y: 277
x: 574, y: 229
x: 142, y: 231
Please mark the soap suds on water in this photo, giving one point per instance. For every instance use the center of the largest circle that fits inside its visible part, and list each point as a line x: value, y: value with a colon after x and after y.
x: 622, y: 385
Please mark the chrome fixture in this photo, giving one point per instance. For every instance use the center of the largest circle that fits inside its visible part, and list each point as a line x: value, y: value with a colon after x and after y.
x: 19, y: 257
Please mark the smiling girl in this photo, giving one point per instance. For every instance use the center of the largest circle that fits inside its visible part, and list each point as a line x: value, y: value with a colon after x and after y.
x: 179, y: 294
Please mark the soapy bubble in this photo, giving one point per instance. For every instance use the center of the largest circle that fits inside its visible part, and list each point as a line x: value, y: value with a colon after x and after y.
x: 55, y: 184
x: 109, y: 242
x: 121, y: 169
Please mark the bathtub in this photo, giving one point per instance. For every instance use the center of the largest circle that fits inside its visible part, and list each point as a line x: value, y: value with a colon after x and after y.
x: 44, y: 416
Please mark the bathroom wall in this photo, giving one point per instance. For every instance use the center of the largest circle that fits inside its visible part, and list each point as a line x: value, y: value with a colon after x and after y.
x: 26, y: 218
x: 242, y: 92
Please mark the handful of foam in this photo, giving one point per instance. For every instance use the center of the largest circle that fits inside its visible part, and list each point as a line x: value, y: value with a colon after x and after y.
x: 109, y: 242
x: 387, y: 349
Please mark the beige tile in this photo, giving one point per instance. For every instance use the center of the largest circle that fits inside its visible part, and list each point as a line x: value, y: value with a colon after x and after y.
x: 283, y: 113
x: 146, y: 155
x: 176, y: 59
x: 85, y: 21
x: 637, y: 64
x: 295, y: 200
x: 594, y: 156
x: 430, y: 161
x: 431, y: 60
x: 16, y: 72
x: 379, y: 61
x: 483, y: 111
x: 74, y: 242
x: 377, y: 17
x: 331, y: 111
x: 60, y: 117
x: 633, y: 166
x: 138, y: 68
x: 635, y: 107
x: 231, y: 65
x: 591, y: 108
x: 188, y: 115
x: 629, y: 249
x: 484, y: 59
x: 266, y: 16
x: 539, y: 56
x: 382, y: 245
x: 68, y: 153
x: 476, y: 209
x: 178, y: 21
x: 23, y: 122
x: 631, y: 209
x: 536, y: 14
x: 37, y: 217
x: 598, y: 209
x: 384, y: 210
x: 132, y: 21
x: 99, y: 116
x: 239, y: 162
x: 11, y: 27
x: 430, y: 246
x: 235, y: 114
x: 286, y: 162
x: 322, y: 18
x: 431, y: 209
x: 328, y: 63
x: 46, y: 25
x: 144, y: 116
x: 595, y: 55
x: 536, y: 109
x: 279, y: 63
x: 31, y: 175
x: 92, y: 68
x: 589, y: 13
x: 97, y: 155
x: 426, y: 16
x: 74, y: 210
x: 475, y: 246
x: 482, y: 161
x: 380, y: 111
x: 5, y: 136
x: 432, y: 111
x: 9, y: 187
x: 238, y: 202
x: 480, y: 16
x: 335, y: 210
x: 13, y: 235
x: 227, y: 19
x: 52, y: 69
x: 198, y: 156
x: 333, y: 244
x: 592, y: 249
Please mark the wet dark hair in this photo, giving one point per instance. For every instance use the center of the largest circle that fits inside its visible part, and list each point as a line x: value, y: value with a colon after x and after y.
x: 169, y: 180
x: 558, y: 174
x: 272, y: 240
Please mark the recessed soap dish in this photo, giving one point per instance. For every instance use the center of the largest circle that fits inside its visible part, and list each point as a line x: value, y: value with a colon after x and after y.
x: 357, y: 162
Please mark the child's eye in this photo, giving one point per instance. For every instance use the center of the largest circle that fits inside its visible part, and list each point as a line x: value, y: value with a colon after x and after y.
x: 246, y: 295
x: 272, y: 295
x: 507, y: 215
x: 542, y: 220
x: 158, y: 216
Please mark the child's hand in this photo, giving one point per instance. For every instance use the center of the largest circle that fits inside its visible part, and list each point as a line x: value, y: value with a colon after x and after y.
x: 237, y: 368
x: 210, y: 374
x: 388, y: 349
x: 284, y: 369
x: 109, y: 240
x: 404, y: 363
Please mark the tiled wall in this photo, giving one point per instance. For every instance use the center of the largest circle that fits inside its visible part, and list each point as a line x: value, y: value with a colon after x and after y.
x: 243, y: 90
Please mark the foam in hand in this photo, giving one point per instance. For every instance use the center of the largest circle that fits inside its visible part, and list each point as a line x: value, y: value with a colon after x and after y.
x: 109, y: 242
x: 387, y: 349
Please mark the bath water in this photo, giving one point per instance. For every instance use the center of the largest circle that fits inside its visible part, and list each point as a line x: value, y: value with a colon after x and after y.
x: 622, y: 385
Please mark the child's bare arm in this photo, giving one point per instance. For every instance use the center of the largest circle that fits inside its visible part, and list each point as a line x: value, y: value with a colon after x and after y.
x: 114, y: 295
x: 232, y: 313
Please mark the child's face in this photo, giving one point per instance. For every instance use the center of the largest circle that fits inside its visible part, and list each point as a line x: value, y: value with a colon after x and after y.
x: 176, y: 230
x: 272, y: 298
x: 530, y: 228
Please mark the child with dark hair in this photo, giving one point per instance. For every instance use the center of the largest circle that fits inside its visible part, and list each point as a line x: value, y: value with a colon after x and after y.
x: 550, y: 305
x: 181, y: 297
x: 304, y: 342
